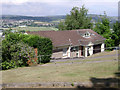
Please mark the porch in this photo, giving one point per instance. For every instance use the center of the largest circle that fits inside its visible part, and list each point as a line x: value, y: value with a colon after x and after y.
x: 77, y: 51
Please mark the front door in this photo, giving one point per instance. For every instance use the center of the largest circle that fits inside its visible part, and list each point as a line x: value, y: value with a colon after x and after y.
x: 81, y: 50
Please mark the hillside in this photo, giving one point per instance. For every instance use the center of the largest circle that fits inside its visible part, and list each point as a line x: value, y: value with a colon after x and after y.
x: 42, y: 19
x: 51, y: 18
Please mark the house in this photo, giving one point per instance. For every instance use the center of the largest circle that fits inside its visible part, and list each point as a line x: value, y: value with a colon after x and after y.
x: 73, y: 43
x: 1, y: 32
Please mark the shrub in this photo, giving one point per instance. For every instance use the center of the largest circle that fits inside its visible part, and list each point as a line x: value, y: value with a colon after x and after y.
x: 22, y: 53
x: 43, y: 45
x: 18, y: 53
x: 18, y: 47
x: 44, y: 50
x: 13, y: 38
x: 8, y: 65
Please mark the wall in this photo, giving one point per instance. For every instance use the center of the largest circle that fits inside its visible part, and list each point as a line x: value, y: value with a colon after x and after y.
x: 91, y: 50
x: 57, y: 54
x: 102, y: 47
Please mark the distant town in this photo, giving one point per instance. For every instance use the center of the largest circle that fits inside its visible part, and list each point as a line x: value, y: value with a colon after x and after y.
x: 11, y: 21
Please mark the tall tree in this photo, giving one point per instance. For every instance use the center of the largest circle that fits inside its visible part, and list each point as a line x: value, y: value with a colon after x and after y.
x: 103, y: 28
x: 116, y: 33
x: 77, y: 19
x: 97, y: 27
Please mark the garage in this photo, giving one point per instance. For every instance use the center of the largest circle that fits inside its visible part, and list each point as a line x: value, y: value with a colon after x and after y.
x: 96, y: 48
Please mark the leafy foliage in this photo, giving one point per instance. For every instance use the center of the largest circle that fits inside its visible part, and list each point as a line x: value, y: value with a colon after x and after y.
x: 45, y: 50
x: 103, y: 28
x: 43, y: 45
x: 116, y: 33
x: 15, y: 54
x: 18, y: 49
x: 76, y: 20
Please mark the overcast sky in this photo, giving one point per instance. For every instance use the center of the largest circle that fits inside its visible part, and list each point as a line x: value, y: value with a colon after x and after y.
x: 57, y: 7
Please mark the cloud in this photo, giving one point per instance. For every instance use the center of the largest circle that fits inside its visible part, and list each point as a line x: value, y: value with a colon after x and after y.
x: 17, y: 2
x: 51, y: 1
x: 97, y: 1
x: 57, y: 7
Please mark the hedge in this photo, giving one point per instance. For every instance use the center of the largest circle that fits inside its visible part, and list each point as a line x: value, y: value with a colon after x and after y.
x: 43, y: 45
x: 16, y: 44
x: 16, y: 55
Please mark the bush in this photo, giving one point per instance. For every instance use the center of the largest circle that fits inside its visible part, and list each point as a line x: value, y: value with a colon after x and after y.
x: 13, y: 38
x: 44, y: 50
x: 23, y: 54
x: 19, y: 53
x: 43, y: 45
x: 18, y: 48
x: 8, y: 65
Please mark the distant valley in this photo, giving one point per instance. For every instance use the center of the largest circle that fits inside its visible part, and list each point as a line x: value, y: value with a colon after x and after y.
x: 15, y: 21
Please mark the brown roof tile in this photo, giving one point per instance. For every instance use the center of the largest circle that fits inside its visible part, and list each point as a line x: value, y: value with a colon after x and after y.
x: 67, y: 37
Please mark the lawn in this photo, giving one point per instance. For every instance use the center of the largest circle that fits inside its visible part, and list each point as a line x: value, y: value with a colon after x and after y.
x: 104, y: 56
x: 62, y: 73
x: 34, y: 28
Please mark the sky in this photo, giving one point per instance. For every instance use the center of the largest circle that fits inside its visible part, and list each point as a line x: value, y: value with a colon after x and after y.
x: 57, y: 7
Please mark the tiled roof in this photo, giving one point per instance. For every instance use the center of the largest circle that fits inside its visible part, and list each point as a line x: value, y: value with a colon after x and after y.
x: 70, y: 37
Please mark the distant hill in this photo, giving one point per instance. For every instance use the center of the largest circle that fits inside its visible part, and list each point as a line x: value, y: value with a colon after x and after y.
x: 42, y: 19
x: 53, y: 18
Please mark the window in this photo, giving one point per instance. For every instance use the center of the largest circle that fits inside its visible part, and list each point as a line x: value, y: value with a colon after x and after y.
x: 64, y: 51
x: 87, y: 34
x: 73, y: 49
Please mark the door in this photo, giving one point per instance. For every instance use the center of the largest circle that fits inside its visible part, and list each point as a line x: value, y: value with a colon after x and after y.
x: 81, y: 50
x: 96, y: 48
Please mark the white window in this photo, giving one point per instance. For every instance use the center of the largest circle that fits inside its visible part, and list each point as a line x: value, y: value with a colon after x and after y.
x: 64, y: 51
x: 87, y: 34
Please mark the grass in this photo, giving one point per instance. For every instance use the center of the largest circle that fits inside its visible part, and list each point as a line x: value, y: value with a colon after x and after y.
x: 41, y: 22
x: 86, y: 60
x: 104, y: 53
x: 93, y: 59
x: 81, y: 72
x: 34, y: 28
x: 62, y: 73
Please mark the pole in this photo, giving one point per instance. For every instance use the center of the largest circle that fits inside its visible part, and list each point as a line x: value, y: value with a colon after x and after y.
x: 40, y: 59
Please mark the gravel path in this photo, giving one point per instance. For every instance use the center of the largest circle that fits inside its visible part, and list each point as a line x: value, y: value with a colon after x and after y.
x: 82, y: 58
x: 77, y: 62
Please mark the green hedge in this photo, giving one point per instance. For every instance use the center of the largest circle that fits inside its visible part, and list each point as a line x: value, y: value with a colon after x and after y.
x: 44, y: 49
x: 17, y: 50
x: 43, y: 45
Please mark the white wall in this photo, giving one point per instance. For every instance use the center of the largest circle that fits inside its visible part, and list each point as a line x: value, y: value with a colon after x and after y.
x: 1, y: 34
x: 85, y: 51
x: 68, y: 51
x: 65, y: 54
x: 91, y: 50
x: 102, y: 47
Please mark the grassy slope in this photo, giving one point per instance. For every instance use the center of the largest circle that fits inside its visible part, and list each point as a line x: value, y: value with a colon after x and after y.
x: 34, y: 28
x: 62, y: 73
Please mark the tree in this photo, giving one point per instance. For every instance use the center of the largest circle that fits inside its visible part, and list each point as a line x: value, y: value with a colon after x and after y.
x: 116, y: 33
x: 76, y: 20
x: 103, y: 28
x: 97, y: 27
